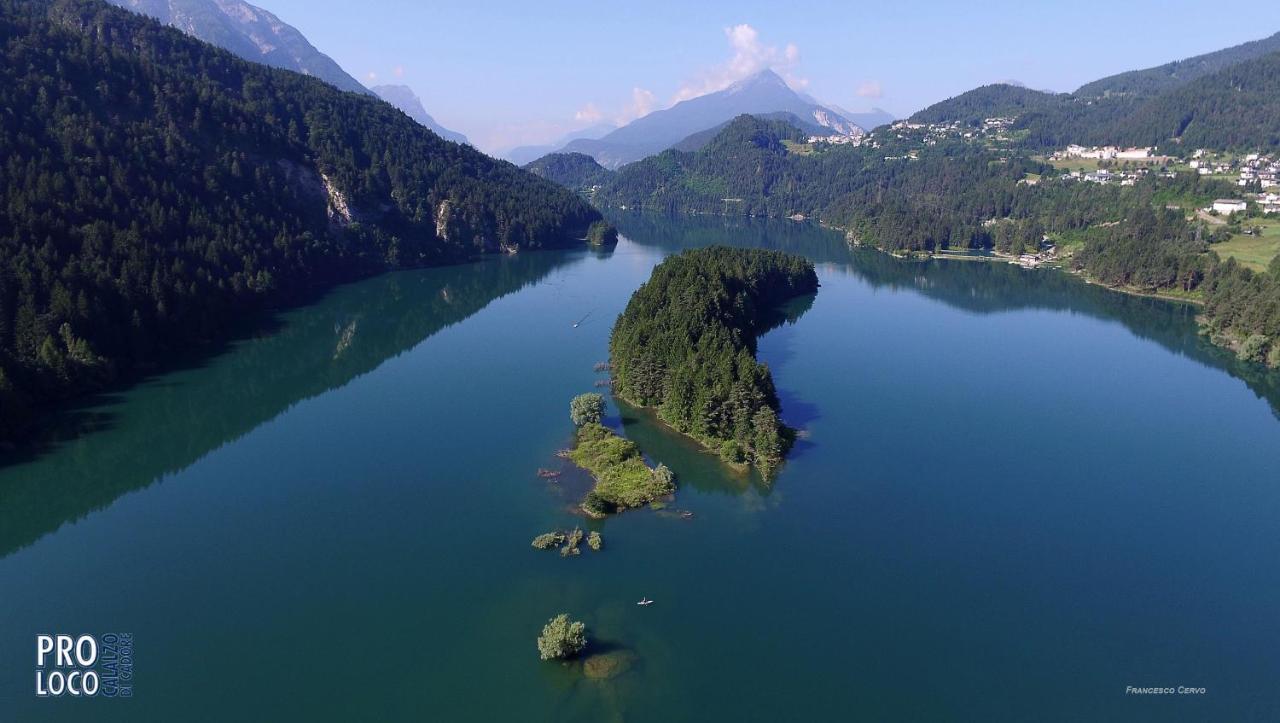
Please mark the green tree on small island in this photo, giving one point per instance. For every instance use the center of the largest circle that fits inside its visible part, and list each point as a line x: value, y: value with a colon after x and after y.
x: 623, y: 480
x: 595, y: 541
x: 586, y: 409
x: 548, y: 540
x: 602, y: 233
x: 561, y: 638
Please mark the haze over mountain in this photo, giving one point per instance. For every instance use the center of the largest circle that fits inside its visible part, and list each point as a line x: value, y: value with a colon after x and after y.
x: 248, y: 31
x: 869, y: 119
x: 763, y: 93
x: 522, y: 155
x: 403, y: 97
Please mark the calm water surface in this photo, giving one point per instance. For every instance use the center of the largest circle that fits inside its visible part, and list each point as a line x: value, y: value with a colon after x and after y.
x: 1017, y: 494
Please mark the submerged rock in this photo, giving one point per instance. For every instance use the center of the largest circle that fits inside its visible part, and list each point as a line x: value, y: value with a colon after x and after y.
x: 608, y: 665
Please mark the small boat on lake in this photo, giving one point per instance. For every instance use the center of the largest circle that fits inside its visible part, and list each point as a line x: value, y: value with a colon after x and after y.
x: 645, y: 601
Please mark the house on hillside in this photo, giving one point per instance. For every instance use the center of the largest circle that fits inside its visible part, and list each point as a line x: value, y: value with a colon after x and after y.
x: 1229, y: 205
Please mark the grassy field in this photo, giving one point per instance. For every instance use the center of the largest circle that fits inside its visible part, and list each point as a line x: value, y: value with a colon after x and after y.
x: 1087, y: 165
x: 1255, y: 252
x: 800, y: 149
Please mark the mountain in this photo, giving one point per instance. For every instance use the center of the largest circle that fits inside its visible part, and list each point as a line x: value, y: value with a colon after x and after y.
x: 764, y: 92
x: 575, y: 171
x: 158, y: 188
x: 868, y: 119
x: 989, y: 101
x: 523, y: 155
x: 248, y: 31
x: 403, y: 97
x: 1236, y: 107
x: 754, y: 167
x: 1233, y: 107
x: 1180, y: 72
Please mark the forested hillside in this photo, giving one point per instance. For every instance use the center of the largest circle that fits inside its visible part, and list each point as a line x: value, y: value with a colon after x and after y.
x: 1233, y: 107
x: 936, y: 201
x: 1152, y: 81
x: 156, y: 187
x: 990, y: 101
x: 575, y: 171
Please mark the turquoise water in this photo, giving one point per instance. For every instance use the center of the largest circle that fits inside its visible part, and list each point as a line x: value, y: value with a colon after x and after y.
x: 1016, y: 495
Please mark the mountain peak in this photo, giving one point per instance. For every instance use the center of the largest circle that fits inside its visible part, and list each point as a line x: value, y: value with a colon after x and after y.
x: 764, y: 79
x: 764, y: 93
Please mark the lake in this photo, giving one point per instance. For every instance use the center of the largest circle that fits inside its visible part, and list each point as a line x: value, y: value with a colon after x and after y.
x: 1016, y: 494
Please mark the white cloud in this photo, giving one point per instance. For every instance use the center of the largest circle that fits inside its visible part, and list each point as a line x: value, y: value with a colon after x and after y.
x: 870, y: 89
x: 372, y: 76
x: 750, y: 56
x: 588, y: 114
x: 642, y: 104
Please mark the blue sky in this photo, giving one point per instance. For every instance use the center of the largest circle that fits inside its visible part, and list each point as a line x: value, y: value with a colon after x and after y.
x: 507, y: 73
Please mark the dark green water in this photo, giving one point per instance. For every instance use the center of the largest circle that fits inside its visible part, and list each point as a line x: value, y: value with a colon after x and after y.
x: 1017, y: 495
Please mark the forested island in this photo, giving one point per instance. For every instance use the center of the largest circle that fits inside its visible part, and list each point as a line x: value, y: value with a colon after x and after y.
x: 686, y: 345
x: 157, y: 188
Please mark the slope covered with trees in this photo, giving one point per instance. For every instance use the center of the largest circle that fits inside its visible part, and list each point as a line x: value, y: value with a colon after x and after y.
x: 1237, y: 107
x: 937, y: 200
x: 156, y: 187
x: 1161, y: 78
x: 990, y: 101
x: 575, y: 171
x: 1232, y: 107
x: 686, y: 345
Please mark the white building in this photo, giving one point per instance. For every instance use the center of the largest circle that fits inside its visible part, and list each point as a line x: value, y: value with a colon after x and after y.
x: 1229, y: 205
x: 1133, y: 154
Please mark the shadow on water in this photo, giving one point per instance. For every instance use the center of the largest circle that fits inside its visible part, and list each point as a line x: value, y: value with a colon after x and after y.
x: 126, y: 440
x: 972, y: 286
x: 98, y: 412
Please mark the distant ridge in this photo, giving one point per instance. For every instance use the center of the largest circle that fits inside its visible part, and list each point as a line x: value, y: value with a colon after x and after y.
x: 522, y: 155
x: 248, y: 31
x: 1179, y: 72
x: 403, y: 97
x: 1229, y: 99
x: 867, y: 120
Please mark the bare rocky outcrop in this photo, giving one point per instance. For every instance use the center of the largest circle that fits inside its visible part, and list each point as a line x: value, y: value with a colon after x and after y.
x: 451, y: 228
x: 443, y: 219
x: 318, y: 188
x: 338, y: 209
